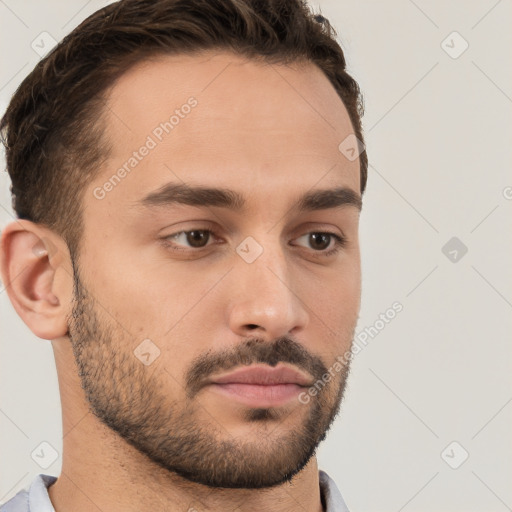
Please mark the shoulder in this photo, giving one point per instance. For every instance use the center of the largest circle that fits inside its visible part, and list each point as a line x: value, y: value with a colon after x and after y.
x: 18, y: 503
x: 33, y: 499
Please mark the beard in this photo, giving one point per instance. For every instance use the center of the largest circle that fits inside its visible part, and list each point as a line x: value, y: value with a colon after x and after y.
x: 168, y: 427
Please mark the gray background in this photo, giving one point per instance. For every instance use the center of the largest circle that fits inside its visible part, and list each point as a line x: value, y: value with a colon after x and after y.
x: 438, y: 132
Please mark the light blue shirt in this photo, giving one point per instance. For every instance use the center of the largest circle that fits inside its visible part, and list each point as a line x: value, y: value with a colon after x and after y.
x: 36, y: 498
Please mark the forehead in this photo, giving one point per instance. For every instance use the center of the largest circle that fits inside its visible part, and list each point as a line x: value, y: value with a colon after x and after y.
x: 220, y: 119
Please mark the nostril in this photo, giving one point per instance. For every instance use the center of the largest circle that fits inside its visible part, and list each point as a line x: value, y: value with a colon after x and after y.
x: 252, y: 326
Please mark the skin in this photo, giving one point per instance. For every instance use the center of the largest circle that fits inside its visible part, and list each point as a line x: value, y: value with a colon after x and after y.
x: 271, y: 133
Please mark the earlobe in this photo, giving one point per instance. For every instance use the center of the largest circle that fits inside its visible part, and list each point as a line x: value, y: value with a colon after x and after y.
x: 35, y: 272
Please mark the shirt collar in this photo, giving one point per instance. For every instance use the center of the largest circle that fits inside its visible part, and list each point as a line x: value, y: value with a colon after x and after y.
x: 331, y: 495
x: 39, y: 499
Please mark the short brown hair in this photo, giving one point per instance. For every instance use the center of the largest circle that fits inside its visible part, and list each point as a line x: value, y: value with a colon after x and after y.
x: 52, y: 129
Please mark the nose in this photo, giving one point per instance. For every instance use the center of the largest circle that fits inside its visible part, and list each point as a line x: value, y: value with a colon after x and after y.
x: 265, y: 299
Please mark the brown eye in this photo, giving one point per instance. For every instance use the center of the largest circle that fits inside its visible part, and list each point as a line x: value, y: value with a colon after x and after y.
x: 321, y: 242
x: 195, y: 239
x: 198, y: 238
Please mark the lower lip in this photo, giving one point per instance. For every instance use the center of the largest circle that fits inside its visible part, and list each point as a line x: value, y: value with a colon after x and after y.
x: 255, y: 395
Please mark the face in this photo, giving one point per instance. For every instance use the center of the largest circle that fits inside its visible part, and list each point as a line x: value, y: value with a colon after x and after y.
x: 219, y: 273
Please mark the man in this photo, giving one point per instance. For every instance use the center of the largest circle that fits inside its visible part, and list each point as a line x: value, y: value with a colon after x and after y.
x: 187, y: 177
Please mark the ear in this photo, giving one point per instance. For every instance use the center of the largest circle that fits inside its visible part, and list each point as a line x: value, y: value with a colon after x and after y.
x: 37, y: 274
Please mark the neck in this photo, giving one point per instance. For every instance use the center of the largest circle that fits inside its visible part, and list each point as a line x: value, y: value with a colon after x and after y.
x: 101, y: 471
x: 109, y: 474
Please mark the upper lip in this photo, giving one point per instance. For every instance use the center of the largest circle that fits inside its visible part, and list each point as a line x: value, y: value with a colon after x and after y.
x: 264, y: 375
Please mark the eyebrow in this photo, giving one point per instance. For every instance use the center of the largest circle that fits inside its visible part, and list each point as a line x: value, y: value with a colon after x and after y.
x: 191, y: 195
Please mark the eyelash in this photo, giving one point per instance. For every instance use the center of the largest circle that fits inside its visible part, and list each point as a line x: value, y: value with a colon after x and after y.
x: 339, y: 241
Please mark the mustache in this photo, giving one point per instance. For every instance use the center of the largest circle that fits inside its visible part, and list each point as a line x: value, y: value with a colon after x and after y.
x: 254, y: 350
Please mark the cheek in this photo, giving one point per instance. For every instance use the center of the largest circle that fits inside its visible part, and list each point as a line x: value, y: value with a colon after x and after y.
x: 147, y: 299
x: 336, y: 307
x: 338, y: 290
